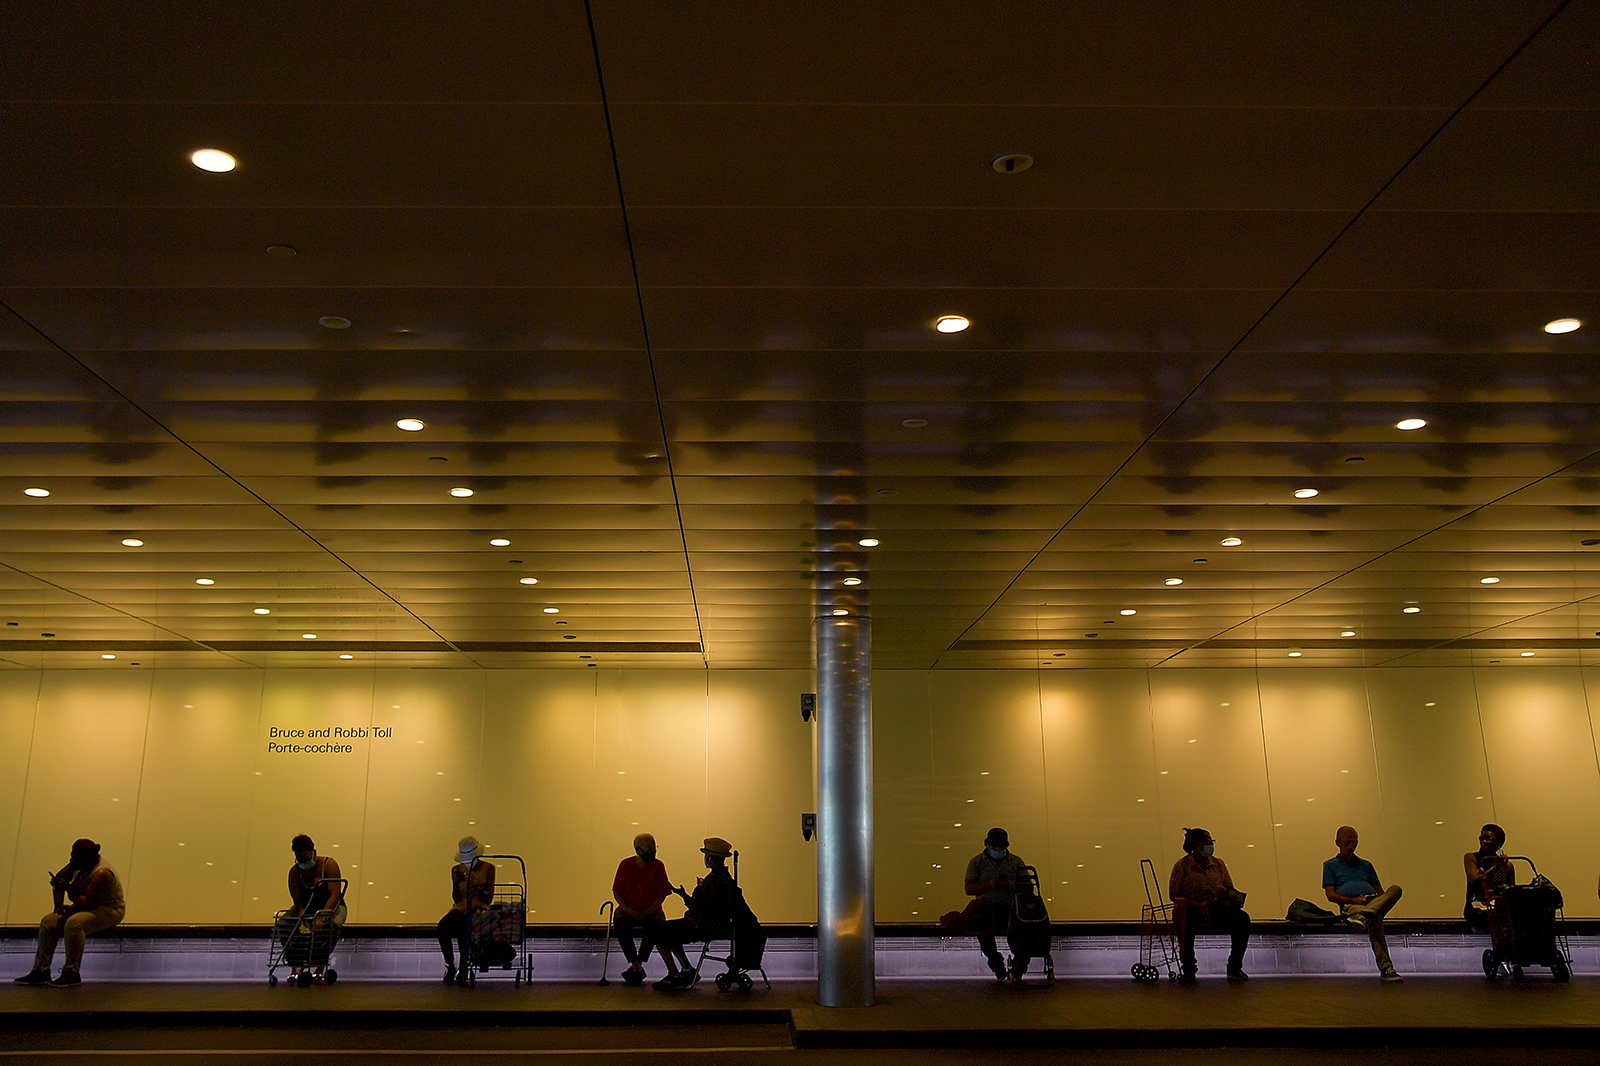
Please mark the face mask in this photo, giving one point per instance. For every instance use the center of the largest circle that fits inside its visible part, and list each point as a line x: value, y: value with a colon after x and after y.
x: 997, y: 855
x: 308, y: 864
x: 647, y: 856
x: 1207, y: 849
x: 469, y: 863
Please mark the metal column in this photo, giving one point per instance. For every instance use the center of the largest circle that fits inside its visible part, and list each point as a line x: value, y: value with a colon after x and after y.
x: 844, y: 812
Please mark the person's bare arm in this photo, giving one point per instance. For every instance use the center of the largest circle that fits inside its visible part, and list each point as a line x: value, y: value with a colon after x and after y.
x: 298, y: 893
x: 331, y: 875
x: 58, y: 888
x: 96, y: 891
x: 1474, y: 875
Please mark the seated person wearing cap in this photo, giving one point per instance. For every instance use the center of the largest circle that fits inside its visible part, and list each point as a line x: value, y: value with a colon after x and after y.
x: 88, y: 899
x: 472, y: 889
x: 639, y: 888
x: 716, y: 904
x: 992, y: 878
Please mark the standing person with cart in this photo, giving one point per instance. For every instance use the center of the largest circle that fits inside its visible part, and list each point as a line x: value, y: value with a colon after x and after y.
x: 471, y: 890
x: 992, y: 879
x: 317, y: 888
x: 88, y: 899
x: 1489, y: 873
x: 1202, y: 894
x: 1352, y: 883
x: 639, y: 888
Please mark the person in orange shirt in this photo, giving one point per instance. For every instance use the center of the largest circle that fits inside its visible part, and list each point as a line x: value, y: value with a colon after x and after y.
x: 1202, y: 894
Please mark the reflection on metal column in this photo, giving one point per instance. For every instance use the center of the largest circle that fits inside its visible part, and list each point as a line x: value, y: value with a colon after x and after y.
x: 844, y: 812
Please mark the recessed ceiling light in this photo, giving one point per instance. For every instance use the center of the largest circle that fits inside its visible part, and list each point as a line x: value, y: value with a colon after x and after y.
x: 1411, y: 423
x: 500, y: 542
x: 1355, y: 458
x: 868, y: 542
x: 282, y: 251
x: 411, y: 425
x: 1202, y: 560
x: 1410, y: 610
x: 527, y: 581
x: 262, y: 610
x: 41, y: 493
x: 852, y: 581
x: 204, y: 581
x: 914, y: 423
x: 108, y: 656
x: 1348, y: 633
x: 1231, y: 542
x: 839, y: 611
x: 1127, y: 611
x: 333, y: 322
x: 347, y: 655
x: 1562, y: 325
x: 1295, y: 654
x: 1304, y: 494
x: 1489, y: 581
x: 132, y: 542
x: 461, y: 491
x: 308, y: 636
x: 552, y: 610
x: 213, y: 159
x: 951, y: 324
x: 1527, y: 654
x: 1174, y: 581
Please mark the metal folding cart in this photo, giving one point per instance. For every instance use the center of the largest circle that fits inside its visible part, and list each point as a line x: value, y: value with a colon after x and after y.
x: 1528, y: 928
x: 1158, y: 941
x: 305, y: 940
x: 500, y: 932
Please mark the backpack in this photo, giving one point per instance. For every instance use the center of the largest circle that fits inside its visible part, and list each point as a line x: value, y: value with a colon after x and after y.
x: 1302, y: 910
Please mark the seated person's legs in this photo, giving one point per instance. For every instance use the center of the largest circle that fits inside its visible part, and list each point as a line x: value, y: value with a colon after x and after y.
x: 49, y: 934
x: 455, y: 926
x: 1186, y: 919
x: 1238, y: 924
x: 670, y: 939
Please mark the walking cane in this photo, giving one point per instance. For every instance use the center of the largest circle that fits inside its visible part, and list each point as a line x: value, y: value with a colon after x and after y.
x: 606, y: 963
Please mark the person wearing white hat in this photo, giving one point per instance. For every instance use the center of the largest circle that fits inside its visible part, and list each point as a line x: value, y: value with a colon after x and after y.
x: 472, y: 890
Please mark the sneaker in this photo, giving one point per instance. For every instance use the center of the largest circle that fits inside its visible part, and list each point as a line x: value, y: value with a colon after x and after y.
x: 34, y: 977
x: 463, y: 975
x: 449, y: 973
x: 67, y: 979
x: 1389, y: 977
x: 633, y: 978
x: 691, y: 977
x: 1236, y: 973
x: 1358, y: 920
x: 1186, y: 976
x: 997, y: 966
x: 670, y: 983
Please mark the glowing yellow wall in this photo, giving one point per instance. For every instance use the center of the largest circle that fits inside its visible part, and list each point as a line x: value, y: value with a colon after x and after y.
x: 1089, y: 770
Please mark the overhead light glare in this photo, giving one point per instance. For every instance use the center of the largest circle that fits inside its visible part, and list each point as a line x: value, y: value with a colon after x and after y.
x: 1563, y: 325
x: 1488, y: 581
x: 1410, y: 610
x: 204, y: 581
x: 411, y: 425
x: 108, y: 656
x: 308, y: 636
x: 1295, y: 654
x: 527, y: 581
x: 1348, y: 633
x: 953, y: 324
x: 837, y: 611
x: 868, y: 542
x: 552, y: 610
x: 1411, y: 423
x: 41, y: 493
x: 132, y: 542
x: 461, y: 491
x: 852, y: 581
x: 262, y: 610
x: 1527, y: 654
x: 347, y: 655
x: 1127, y: 611
x: 500, y: 542
x: 214, y: 160
x: 1304, y: 494
x: 1231, y: 542
x: 1174, y: 581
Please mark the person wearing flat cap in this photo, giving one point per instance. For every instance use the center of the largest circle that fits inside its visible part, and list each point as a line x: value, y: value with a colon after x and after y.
x: 88, y: 899
x: 472, y: 890
x: 713, y: 907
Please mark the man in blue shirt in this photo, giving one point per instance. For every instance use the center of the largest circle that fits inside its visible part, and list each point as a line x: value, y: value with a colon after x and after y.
x: 1352, y: 883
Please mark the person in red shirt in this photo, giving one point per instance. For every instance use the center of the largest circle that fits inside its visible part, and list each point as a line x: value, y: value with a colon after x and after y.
x: 639, y: 888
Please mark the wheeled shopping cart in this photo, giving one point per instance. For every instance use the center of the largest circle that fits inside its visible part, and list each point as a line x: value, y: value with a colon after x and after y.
x: 1158, y: 942
x: 500, y: 931
x: 1028, y: 928
x: 1528, y: 928
x: 305, y: 940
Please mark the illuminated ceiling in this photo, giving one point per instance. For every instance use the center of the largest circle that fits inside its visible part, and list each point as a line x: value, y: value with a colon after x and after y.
x: 661, y: 284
